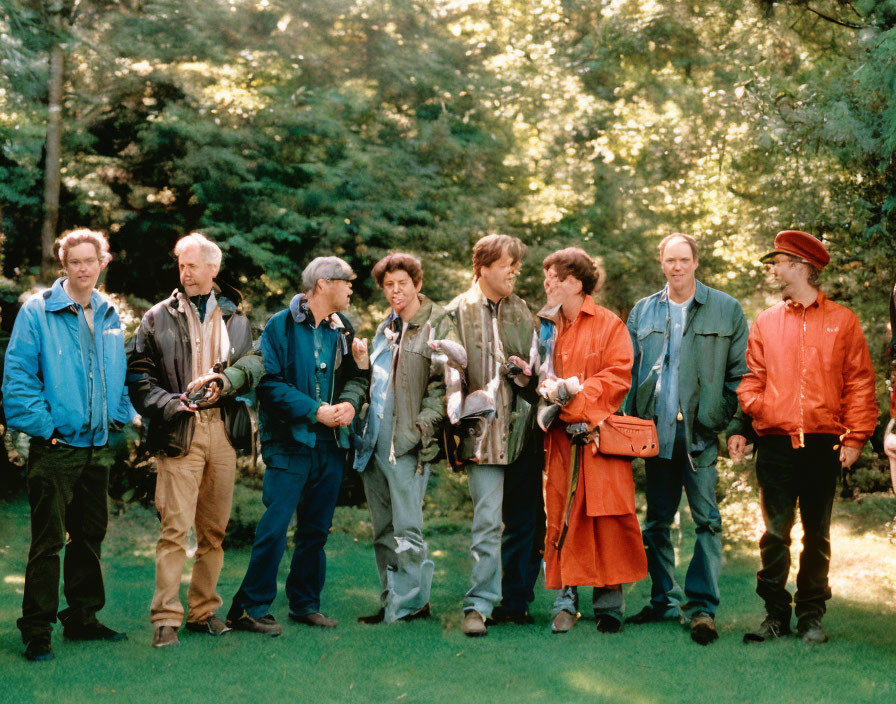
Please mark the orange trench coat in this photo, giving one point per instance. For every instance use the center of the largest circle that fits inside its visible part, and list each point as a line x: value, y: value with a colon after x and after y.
x: 603, y: 545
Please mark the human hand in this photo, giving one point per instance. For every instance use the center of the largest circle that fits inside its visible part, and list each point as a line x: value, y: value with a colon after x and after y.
x: 326, y: 415
x: 344, y: 413
x: 360, y: 353
x: 890, y: 445
x: 848, y: 455
x: 216, y: 385
x: 736, y: 446
x: 429, y: 448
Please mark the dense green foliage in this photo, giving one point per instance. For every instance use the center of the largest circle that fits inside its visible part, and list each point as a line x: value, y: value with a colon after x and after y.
x: 288, y: 128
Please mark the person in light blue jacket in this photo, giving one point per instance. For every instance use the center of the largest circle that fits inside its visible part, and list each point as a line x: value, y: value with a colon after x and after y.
x: 63, y: 384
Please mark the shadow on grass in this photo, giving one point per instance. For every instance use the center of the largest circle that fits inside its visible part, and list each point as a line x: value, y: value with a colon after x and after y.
x: 432, y: 661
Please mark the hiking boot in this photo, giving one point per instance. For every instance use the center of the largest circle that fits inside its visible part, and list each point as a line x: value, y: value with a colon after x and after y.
x: 811, y: 632
x: 703, y: 629
x: 212, y: 625
x: 563, y: 621
x: 93, y: 631
x: 608, y: 624
x: 164, y: 636
x: 474, y: 624
x: 266, y: 625
x: 650, y: 615
x: 315, y: 618
x: 373, y: 619
x: 771, y: 628
x: 39, y: 649
x: 502, y: 614
x: 422, y: 612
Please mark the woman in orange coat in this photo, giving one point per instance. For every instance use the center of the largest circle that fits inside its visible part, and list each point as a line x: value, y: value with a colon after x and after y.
x: 601, y: 545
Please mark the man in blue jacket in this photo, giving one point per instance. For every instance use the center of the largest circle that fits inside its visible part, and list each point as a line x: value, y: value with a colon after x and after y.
x: 63, y: 385
x: 690, y: 343
x: 310, y: 391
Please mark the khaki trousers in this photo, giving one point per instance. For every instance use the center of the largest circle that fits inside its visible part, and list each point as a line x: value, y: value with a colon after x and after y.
x: 196, y: 489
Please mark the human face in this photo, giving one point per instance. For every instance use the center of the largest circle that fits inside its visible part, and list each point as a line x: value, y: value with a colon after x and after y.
x: 559, y: 291
x: 196, y: 273
x: 498, y: 278
x: 401, y: 291
x: 338, y: 292
x: 83, y: 267
x: 786, y: 275
x: 679, y: 266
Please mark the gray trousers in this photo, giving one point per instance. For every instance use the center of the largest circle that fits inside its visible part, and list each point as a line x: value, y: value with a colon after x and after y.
x: 608, y: 601
x: 486, y: 484
x: 395, y: 498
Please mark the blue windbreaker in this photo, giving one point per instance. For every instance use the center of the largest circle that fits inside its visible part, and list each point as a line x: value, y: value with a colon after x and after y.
x: 47, y: 388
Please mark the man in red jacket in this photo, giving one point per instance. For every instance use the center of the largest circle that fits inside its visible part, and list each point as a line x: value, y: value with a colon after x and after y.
x: 810, y: 393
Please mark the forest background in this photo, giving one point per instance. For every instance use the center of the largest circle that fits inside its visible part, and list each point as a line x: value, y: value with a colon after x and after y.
x: 286, y: 129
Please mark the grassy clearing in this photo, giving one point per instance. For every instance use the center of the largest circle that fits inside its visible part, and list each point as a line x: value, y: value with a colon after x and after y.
x: 433, y: 662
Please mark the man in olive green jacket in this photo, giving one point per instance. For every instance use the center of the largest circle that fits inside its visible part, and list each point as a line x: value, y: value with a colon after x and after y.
x: 690, y: 343
x: 398, y: 437
x: 498, y: 332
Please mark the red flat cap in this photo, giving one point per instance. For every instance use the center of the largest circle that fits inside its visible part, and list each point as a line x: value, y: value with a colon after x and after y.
x: 801, y: 245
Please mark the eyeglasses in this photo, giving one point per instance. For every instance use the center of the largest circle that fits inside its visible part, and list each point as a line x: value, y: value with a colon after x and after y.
x: 338, y: 278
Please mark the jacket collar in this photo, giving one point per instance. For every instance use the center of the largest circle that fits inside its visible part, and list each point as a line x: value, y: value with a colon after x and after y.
x: 790, y: 304
x: 700, y: 294
x: 299, y: 312
x: 227, y: 298
x: 552, y: 314
x: 57, y: 299
x: 419, y: 319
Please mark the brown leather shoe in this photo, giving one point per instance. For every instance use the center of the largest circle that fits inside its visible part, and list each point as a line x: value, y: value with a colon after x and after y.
x: 164, y: 636
x: 315, y: 619
x: 266, y: 625
x: 563, y: 622
x: 474, y: 624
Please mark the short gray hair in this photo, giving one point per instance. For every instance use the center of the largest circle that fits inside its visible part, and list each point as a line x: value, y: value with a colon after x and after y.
x: 325, y: 268
x: 210, y: 252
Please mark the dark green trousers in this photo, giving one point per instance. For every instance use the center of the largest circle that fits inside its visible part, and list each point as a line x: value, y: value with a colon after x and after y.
x: 67, y: 489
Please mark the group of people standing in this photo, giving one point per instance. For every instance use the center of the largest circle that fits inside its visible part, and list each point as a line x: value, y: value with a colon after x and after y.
x: 520, y: 403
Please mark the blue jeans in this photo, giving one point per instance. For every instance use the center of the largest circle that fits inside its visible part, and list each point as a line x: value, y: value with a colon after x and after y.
x: 522, y: 543
x: 309, y: 488
x: 665, y: 479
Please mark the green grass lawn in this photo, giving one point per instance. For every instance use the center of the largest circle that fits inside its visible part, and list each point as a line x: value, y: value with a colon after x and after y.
x: 433, y: 662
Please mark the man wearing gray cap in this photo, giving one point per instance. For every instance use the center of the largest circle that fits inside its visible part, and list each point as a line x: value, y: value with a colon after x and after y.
x: 311, y: 389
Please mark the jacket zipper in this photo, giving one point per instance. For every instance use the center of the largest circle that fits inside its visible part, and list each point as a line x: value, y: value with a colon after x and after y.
x: 802, y: 381
x: 395, y: 358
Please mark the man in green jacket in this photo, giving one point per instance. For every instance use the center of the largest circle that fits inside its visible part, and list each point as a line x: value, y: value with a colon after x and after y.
x: 498, y: 332
x: 690, y: 342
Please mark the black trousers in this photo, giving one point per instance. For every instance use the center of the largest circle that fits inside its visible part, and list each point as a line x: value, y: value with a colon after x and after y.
x: 789, y: 477
x: 522, y: 542
x: 67, y: 489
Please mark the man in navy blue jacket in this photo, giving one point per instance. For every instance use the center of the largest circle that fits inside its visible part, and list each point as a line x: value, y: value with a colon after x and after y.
x: 63, y: 385
x: 309, y: 394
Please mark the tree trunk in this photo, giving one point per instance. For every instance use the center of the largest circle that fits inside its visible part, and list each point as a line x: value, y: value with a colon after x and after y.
x: 52, y: 175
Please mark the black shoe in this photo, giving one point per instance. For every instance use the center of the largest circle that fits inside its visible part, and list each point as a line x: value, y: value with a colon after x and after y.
x: 703, y: 629
x: 811, y: 632
x: 649, y: 615
x: 422, y: 612
x: 770, y: 629
x: 501, y: 614
x: 608, y: 624
x: 39, y: 650
x: 373, y: 619
x: 93, y: 631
